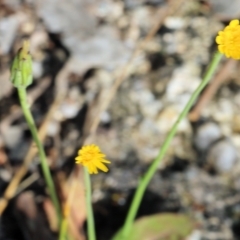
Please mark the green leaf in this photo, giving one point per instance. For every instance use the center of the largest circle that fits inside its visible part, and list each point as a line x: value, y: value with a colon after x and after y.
x: 160, y: 227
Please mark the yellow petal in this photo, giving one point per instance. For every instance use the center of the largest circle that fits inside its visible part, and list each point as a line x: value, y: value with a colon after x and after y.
x: 105, y: 161
x: 93, y: 168
x: 101, y: 166
x: 219, y: 39
x: 234, y: 23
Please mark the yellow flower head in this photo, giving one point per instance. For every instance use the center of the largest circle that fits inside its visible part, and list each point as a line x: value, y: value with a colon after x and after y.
x: 228, y: 40
x: 91, y: 157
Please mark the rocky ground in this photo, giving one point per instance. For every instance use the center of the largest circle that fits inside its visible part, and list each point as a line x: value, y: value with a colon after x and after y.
x: 118, y: 73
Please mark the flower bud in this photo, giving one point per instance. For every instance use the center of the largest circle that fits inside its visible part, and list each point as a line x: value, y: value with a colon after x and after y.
x: 21, y: 71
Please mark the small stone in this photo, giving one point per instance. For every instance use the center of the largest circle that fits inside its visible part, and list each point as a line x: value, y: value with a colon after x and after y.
x: 71, y: 106
x: 69, y: 109
x: 5, y: 175
x: 195, y: 235
x: 53, y: 128
x: 206, y: 135
x: 224, y: 110
x: 110, y: 10
x: 8, y: 31
x: 37, y: 69
x: 192, y: 173
x: 174, y: 22
x: 12, y: 136
x: 223, y: 156
x: 28, y: 27
x: 167, y: 118
x: 235, y: 138
x: 105, y: 117
x: 185, y: 80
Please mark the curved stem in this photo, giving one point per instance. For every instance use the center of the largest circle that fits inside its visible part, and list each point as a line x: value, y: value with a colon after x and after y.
x: 46, y: 172
x: 153, y: 167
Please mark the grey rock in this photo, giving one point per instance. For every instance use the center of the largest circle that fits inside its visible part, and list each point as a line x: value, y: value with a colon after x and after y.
x: 206, y: 135
x: 224, y: 9
x: 90, y: 45
x: 12, y: 136
x: 195, y: 235
x: 5, y: 175
x: 223, y: 156
x: 14, y: 4
x: 8, y: 31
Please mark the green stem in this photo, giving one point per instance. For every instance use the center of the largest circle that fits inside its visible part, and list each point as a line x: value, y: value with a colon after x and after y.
x: 46, y: 172
x: 152, y: 169
x: 90, y: 217
x: 63, y: 229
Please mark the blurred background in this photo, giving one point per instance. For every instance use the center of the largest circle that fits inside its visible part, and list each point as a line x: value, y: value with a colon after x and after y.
x: 117, y: 73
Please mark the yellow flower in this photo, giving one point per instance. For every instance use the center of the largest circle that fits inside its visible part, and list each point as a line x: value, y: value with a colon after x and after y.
x: 228, y: 40
x: 91, y: 157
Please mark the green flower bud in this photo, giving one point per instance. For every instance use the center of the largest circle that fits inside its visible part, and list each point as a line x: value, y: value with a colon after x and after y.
x: 21, y: 71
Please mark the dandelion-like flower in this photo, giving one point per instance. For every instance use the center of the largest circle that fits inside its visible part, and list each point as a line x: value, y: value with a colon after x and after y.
x: 91, y: 157
x: 228, y: 40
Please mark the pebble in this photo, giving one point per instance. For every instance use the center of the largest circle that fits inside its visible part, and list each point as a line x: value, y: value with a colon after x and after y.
x: 174, y: 22
x: 5, y: 175
x: 224, y: 10
x: 8, y: 31
x: 206, y: 135
x: 143, y: 97
x: 53, y: 128
x: 167, y: 118
x: 195, y: 235
x: 192, y: 173
x: 105, y: 117
x: 37, y: 68
x: 224, y: 110
x: 223, y: 156
x: 71, y: 106
x: 143, y: 17
x: 185, y: 80
x: 110, y: 10
x: 12, y: 136
x: 69, y: 109
x: 90, y: 45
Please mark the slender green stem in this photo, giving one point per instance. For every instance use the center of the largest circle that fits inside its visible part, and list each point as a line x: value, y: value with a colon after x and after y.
x: 63, y: 229
x: 46, y: 172
x: 90, y: 217
x: 152, y: 169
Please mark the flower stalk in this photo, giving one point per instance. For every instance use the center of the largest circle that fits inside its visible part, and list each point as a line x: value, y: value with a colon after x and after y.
x: 92, y: 159
x: 21, y: 77
x: 90, y: 216
x: 153, y: 167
